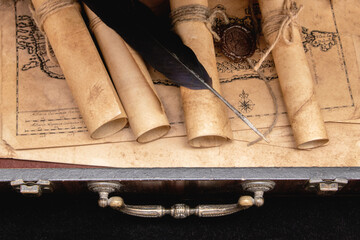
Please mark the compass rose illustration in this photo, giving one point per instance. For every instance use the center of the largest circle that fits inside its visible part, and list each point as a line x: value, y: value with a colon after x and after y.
x: 245, y: 104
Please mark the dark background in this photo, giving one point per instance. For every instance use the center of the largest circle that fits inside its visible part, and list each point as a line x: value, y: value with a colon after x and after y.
x: 77, y: 216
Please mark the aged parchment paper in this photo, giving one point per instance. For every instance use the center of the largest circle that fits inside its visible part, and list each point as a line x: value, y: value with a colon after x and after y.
x: 337, y: 88
x: 325, y: 42
x: 132, y: 81
x: 206, y: 119
x: 295, y: 78
x: 39, y: 110
x: 83, y: 68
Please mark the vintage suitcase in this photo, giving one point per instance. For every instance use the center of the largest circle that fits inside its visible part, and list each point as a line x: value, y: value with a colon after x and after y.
x: 170, y: 168
x: 177, y: 185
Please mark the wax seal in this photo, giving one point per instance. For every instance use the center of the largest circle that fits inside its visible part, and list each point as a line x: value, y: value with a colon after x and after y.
x: 237, y: 42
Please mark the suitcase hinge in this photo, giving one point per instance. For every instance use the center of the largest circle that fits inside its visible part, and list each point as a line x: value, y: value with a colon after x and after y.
x: 326, y: 186
x: 32, y: 188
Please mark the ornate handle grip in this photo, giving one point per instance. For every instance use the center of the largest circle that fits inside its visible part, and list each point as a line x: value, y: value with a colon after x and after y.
x: 180, y: 211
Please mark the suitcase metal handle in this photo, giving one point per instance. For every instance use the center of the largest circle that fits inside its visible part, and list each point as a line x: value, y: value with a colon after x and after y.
x: 180, y: 211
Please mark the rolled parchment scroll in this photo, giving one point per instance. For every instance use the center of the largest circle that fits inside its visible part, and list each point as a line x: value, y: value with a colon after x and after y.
x: 82, y: 66
x: 206, y: 118
x: 132, y: 81
x: 296, y: 82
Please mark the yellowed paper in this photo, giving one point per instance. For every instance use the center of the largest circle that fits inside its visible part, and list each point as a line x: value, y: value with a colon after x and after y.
x: 174, y: 152
x: 329, y: 42
x: 342, y: 151
x: 84, y: 71
x: 296, y: 83
x: 133, y: 83
x: 206, y: 119
x: 39, y: 109
x: 325, y: 42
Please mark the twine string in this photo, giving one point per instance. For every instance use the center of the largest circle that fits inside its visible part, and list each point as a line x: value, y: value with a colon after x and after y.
x: 94, y: 23
x: 46, y: 9
x: 280, y: 22
x: 274, y: 99
x: 199, y: 13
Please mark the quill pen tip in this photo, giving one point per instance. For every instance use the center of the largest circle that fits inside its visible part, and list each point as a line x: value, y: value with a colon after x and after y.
x: 254, y: 129
x: 263, y: 137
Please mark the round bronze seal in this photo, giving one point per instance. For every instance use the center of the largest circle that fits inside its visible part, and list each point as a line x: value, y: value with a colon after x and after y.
x: 237, y: 42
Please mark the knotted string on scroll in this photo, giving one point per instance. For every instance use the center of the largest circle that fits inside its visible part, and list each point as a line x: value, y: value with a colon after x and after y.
x: 280, y: 22
x: 47, y: 8
x: 199, y: 13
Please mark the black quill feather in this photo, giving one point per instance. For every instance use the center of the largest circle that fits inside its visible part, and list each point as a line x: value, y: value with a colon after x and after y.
x: 153, y: 40
x: 159, y: 46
